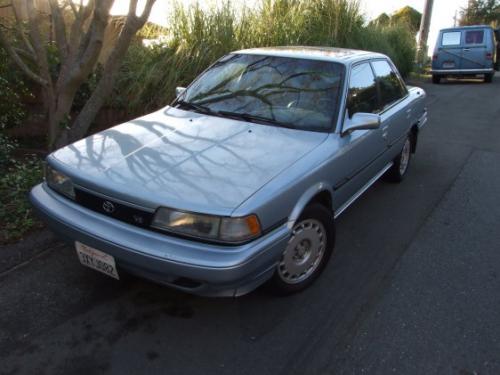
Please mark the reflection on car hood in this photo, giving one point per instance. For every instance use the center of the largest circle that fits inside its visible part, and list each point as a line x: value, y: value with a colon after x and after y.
x: 184, y: 160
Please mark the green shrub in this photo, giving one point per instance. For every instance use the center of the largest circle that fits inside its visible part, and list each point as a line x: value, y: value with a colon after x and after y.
x: 7, y: 146
x: 16, y: 217
x: 12, y: 89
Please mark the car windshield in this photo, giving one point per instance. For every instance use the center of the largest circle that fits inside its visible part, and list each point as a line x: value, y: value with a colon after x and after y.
x: 280, y: 91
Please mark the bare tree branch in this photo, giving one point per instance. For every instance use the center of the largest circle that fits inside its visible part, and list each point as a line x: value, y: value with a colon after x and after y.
x: 76, y: 31
x: 21, y: 32
x: 105, y: 84
x: 73, y: 7
x: 91, y: 44
x: 132, y: 8
x: 147, y: 11
x: 60, y: 29
x: 36, y: 38
x: 20, y: 63
x: 24, y: 53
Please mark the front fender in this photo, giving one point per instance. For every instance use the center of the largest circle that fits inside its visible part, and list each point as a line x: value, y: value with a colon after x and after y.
x: 304, y: 200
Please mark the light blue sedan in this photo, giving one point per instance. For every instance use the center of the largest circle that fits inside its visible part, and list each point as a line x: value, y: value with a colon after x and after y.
x: 239, y: 180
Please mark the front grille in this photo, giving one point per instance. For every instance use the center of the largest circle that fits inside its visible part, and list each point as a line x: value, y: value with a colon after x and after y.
x: 114, y: 209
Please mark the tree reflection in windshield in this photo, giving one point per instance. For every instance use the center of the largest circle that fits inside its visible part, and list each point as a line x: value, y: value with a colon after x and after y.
x: 299, y: 92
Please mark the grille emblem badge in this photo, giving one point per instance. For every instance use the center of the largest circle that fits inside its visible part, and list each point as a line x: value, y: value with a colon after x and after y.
x: 108, y: 207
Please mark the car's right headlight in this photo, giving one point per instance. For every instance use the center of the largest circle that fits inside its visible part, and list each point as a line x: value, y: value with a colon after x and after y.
x: 216, y: 228
x: 59, y: 182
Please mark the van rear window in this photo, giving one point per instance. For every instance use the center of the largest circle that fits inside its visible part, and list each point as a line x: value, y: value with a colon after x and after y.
x: 474, y: 37
x: 451, y: 38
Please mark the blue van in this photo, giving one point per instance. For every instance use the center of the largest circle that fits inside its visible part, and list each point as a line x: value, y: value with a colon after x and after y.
x: 465, y: 51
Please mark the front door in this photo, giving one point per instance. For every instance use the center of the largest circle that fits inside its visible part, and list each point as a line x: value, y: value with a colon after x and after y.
x: 360, y: 156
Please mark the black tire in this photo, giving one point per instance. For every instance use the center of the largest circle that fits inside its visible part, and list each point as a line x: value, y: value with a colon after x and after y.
x: 316, y: 212
x: 488, y: 78
x: 436, y: 79
x: 398, y: 172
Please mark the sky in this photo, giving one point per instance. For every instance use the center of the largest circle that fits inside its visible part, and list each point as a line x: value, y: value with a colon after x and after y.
x: 442, y: 15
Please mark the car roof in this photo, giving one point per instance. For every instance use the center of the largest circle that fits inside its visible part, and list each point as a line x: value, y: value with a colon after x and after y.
x: 339, y: 55
x: 467, y: 27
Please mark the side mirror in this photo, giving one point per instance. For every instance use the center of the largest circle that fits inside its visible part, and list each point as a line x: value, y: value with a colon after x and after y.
x: 179, y: 91
x: 361, y: 121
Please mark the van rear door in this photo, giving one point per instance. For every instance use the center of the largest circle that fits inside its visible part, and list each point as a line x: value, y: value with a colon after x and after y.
x: 475, y: 49
x: 449, y: 54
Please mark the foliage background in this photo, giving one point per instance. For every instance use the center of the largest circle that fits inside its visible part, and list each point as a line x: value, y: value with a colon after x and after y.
x: 198, y: 37
x: 480, y: 12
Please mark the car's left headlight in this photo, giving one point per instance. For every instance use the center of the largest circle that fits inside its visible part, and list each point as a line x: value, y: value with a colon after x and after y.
x: 59, y: 182
x: 215, y: 228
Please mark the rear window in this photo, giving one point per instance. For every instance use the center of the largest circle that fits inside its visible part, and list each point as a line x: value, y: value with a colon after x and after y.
x: 391, y: 87
x: 451, y: 38
x: 474, y: 37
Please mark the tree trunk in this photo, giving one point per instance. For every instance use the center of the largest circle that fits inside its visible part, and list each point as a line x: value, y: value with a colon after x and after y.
x: 78, y: 53
x: 103, y: 89
x: 59, y: 109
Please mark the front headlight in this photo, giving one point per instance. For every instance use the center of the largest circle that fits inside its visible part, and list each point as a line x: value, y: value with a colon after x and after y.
x: 59, y: 182
x: 225, y: 229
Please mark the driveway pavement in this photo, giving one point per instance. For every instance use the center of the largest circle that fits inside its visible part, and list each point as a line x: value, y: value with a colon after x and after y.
x: 413, y: 287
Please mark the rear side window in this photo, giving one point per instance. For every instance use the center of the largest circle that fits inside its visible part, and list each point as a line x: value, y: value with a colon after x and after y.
x: 451, y: 38
x: 390, y: 85
x: 362, y: 91
x: 474, y: 37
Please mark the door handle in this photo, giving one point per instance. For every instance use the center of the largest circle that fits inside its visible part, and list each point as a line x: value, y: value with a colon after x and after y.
x: 466, y: 49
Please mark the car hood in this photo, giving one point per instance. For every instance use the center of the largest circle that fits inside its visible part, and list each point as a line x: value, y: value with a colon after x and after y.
x: 184, y: 160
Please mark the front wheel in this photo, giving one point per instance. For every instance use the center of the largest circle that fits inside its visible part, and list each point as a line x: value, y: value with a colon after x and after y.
x: 436, y: 79
x: 307, y: 252
x: 401, y: 163
x: 488, y: 78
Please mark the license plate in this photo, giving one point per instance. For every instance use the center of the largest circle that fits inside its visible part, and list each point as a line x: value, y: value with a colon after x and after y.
x: 96, y: 260
x: 448, y: 65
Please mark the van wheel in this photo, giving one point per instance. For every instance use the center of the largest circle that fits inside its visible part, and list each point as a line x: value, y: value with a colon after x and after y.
x: 488, y: 78
x: 400, y: 164
x: 307, y: 252
x: 436, y: 79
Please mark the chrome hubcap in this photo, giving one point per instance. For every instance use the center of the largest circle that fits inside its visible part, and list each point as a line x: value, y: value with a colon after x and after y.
x: 405, y: 157
x: 304, y: 251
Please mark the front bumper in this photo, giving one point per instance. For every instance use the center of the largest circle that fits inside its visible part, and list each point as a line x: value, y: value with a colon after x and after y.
x: 194, y: 267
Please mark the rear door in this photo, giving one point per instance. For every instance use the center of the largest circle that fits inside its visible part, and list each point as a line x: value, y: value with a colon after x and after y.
x: 475, y: 49
x: 395, y: 113
x: 449, y: 54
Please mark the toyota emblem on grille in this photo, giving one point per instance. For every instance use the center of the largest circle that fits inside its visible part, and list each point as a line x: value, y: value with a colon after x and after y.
x: 108, y: 207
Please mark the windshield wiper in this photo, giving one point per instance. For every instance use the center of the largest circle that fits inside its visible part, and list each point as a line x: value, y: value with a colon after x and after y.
x: 195, y: 107
x: 254, y: 118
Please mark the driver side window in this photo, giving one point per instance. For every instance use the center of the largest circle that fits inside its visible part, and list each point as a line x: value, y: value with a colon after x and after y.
x: 362, y: 96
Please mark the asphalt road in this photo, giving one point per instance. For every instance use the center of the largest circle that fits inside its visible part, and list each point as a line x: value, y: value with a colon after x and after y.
x: 413, y: 287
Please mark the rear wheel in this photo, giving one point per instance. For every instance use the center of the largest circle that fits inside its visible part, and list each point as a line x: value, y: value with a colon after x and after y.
x: 488, y: 78
x: 400, y: 164
x: 436, y: 79
x: 307, y: 252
